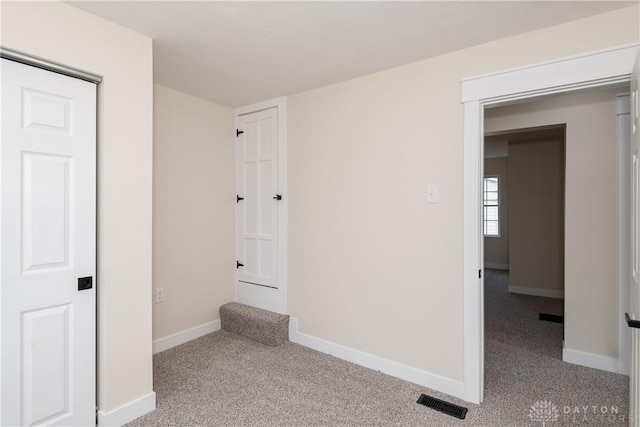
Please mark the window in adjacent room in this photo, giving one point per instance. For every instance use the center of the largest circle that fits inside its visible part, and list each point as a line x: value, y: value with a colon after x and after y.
x: 491, y: 206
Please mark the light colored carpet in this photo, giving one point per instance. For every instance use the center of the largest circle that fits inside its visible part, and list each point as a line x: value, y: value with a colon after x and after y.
x: 225, y: 380
x: 523, y: 365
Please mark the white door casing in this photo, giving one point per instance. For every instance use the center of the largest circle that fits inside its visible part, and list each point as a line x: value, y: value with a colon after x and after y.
x: 600, y: 68
x: 261, y: 219
x: 48, y: 241
x: 634, y: 284
x: 624, y: 228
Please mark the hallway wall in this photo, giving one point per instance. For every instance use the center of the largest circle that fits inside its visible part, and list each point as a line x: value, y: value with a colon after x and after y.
x: 536, y: 216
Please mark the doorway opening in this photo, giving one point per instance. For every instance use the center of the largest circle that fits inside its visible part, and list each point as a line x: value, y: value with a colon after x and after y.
x: 556, y: 160
x: 523, y: 249
x: 524, y: 217
x: 566, y: 75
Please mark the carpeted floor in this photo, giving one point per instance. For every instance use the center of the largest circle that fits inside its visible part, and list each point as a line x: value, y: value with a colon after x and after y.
x: 523, y: 365
x: 225, y: 380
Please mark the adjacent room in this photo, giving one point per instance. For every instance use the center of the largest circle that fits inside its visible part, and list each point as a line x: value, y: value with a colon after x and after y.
x: 319, y: 213
x: 543, y: 307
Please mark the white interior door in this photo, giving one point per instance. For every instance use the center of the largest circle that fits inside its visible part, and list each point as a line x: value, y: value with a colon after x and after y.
x: 257, y: 199
x: 48, y: 229
x: 634, y: 286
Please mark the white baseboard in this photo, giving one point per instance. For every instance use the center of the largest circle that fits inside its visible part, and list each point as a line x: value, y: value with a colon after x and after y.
x: 590, y: 360
x: 549, y: 293
x: 166, y: 343
x: 395, y: 369
x: 128, y: 412
x: 496, y: 266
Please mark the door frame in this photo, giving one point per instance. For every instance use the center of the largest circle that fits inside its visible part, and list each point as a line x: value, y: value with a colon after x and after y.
x: 263, y: 297
x: 594, y: 69
x: 623, y: 108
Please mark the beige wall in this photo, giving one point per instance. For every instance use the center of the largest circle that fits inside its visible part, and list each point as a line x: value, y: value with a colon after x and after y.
x: 536, y: 216
x: 61, y: 33
x: 193, y: 210
x: 371, y: 265
x: 591, y: 213
x: 496, y: 249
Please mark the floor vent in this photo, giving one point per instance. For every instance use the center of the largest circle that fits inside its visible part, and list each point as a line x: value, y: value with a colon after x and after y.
x: 551, y: 318
x: 442, y: 406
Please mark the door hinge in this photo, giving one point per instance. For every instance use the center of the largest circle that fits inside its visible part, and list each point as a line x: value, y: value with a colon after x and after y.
x: 238, y: 198
x: 277, y: 197
x: 238, y: 265
x: 239, y: 132
x: 479, y: 274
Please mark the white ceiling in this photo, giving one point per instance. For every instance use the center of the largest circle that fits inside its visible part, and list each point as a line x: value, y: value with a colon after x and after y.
x: 237, y: 53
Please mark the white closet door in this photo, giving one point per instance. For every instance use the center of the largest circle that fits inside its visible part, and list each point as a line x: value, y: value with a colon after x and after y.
x: 257, y: 221
x: 48, y: 232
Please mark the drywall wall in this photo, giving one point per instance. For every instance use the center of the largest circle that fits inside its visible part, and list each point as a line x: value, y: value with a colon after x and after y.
x: 193, y: 210
x: 63, y: 34
x: 591, y: 209
x: 496, y: 147
x: 496, y: 249
x: 371, y: 265
x: 536, y: 217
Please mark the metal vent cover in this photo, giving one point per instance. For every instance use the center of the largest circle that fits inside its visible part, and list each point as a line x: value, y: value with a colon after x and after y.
x: 442, y: 406
x: 551, y: 318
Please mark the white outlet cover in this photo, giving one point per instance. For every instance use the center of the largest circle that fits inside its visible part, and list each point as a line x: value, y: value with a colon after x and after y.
x: 432, y: 193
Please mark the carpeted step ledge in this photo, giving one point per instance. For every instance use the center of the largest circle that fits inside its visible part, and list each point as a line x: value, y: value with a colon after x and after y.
x: 254, y: 323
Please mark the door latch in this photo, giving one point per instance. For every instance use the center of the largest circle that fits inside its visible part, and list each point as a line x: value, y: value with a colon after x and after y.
x: 630, y: 322
x: 238, y: 265
x: 277, y: 197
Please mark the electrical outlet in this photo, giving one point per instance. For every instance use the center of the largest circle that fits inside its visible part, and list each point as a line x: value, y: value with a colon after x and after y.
x: 432, y: 193
x: 159, y: 295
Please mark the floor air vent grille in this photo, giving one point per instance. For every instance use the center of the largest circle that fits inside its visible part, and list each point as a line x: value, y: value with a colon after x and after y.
x: 442, y: 406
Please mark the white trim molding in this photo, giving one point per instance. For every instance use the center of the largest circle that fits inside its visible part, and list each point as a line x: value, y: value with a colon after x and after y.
x: 536, y: 292
x: 129, y: 411
x: 590, y: 360
x: 271, y: 298
x: 624, y: 229
x: 162, y: 344
x: 389, y: 367
x: 473, y: 252
x: 600, y: 68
